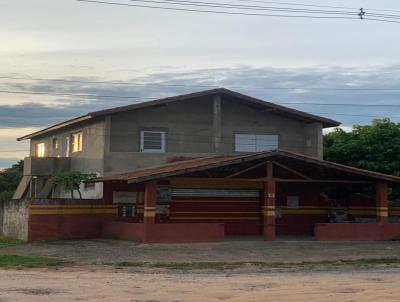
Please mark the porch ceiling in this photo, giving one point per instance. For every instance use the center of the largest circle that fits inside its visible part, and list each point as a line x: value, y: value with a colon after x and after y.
x: 288, y: 165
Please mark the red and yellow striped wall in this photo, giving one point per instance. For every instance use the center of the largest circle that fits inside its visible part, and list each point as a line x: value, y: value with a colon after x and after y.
x: 68, y: 219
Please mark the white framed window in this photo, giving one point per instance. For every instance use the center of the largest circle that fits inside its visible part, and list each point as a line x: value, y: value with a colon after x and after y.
x: 40, y: 150
x: 77, y: 142
x: 152, y: 141
x: 255, y: 142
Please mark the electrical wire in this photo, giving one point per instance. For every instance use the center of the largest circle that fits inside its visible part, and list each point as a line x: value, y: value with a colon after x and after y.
x: 73, y: 94
x: 354, y: 13
x: 214, y: 11
x: 245, y: 7
x: 315, y: 5
x: 381, y: 20
x: 140, y: 98
x: 322, y: 13
x: 197, y: 85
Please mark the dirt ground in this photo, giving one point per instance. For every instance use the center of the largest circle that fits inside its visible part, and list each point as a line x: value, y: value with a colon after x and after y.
x: 90, y: 284
x: 88, y: 279
x: 236, y: 249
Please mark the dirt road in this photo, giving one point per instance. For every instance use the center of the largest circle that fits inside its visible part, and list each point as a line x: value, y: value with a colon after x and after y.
x: 91, y: 284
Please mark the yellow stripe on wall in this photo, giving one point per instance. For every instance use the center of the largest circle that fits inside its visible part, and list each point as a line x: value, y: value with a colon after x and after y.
x: 72, y: 211
x: 304, y: 212
x: 72, y: 206
x: 214, y: 218
x: 214, y: 201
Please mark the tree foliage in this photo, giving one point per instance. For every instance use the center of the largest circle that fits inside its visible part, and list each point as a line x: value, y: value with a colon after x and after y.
x: 71, y: 181
x: 9, y: 180
x: 375, y: 147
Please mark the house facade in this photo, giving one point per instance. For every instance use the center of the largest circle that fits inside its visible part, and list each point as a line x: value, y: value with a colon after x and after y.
x: 148, y: 134
x: 195, y: 168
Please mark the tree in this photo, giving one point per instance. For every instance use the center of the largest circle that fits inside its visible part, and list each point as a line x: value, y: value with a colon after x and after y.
x: 9, y: 180
x: 71, y: 181
x: 374, y: 147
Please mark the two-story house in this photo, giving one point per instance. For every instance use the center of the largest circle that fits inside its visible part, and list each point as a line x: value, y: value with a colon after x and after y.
x: 197, y: 167
x: 217, y: 121
x: 116, y: 140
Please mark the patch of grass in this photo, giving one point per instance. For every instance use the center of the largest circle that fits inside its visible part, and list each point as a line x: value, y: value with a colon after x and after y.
x: 185, y: 265
x: 232, y: 265
x: 376, y: 261
x: 199, y: 265
x: 10, y: 260
x: 5, y: 241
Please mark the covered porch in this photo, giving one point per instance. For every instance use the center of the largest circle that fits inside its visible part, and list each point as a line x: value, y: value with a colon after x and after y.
x: 267, y: 194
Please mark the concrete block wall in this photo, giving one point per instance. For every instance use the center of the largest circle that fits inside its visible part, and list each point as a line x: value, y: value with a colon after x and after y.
x: 16, y: 218
x: 1, y: 217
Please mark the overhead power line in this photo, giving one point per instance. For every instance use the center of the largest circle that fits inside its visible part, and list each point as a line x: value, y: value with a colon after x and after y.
x: 297, y: 4
x: 182, y: 5
x: 244, y: 7
x: 338, y: 104
x: 315, y: 5
x: 354, y: 12
x: 139, y: 98
x: 73, y: 94
x: 214, y: 11
x: 28, y: 124
x: 28, y: 78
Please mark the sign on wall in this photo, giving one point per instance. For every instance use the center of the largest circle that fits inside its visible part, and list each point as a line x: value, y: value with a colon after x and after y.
x: 292, y: 202
x: 127, y: 197
x: 163, y: 193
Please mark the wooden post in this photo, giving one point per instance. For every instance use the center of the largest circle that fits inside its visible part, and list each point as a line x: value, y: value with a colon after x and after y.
x: 382, y: 210
x: 269, y: 210
x: 149, y: 213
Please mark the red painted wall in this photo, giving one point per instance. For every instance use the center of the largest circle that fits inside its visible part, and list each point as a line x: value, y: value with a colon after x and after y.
x: 312, y: 209
x: 54, y: 219
x: 123, y: 230
x: 57, y: 227
x: 165, y: 233
x: 241, y: 216
x: 357, y: 231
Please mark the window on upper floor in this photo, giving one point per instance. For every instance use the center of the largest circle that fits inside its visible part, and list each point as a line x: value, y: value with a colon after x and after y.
x: 40, y: 150
x: 77, y: 142
x: 255, y: 142
x: 66, y: 147
x: 152, y: 141
x: 55, y: 143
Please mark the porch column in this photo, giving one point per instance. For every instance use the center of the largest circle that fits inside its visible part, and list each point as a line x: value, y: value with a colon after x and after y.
x: 149, y: 213
x: 269, y: 210
x: 382, y: 210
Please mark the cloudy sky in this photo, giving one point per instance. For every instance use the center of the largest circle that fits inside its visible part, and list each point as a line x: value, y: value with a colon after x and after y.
x: 148, y: 53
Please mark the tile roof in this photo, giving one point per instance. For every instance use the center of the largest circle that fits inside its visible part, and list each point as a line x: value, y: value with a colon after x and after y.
x: 326, y: 122
x: 205, y: 163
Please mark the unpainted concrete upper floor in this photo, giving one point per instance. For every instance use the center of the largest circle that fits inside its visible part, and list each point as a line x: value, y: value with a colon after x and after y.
x: 214, y: 123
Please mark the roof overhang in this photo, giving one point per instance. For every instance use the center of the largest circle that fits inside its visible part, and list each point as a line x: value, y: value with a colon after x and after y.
x: 201, y: 164
x: 56, y: 127
x: 269, y: 107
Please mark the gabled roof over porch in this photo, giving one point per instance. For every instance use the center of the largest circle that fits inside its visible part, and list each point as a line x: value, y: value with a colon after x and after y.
x: 287, y: 167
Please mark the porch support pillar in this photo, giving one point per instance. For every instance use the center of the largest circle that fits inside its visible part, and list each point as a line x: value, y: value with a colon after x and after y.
x: 269, y: 210
x: 382, y: 210
x: 149, y: 213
